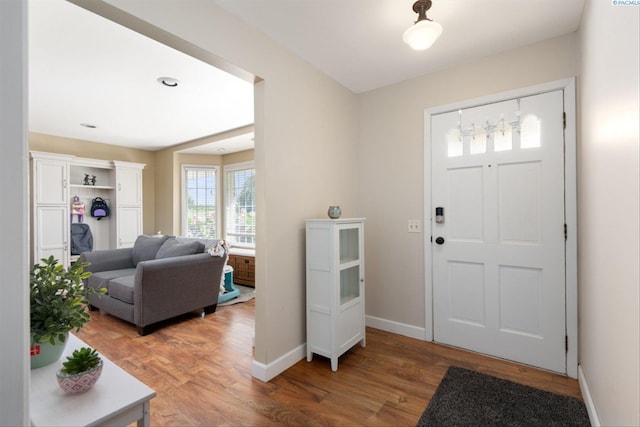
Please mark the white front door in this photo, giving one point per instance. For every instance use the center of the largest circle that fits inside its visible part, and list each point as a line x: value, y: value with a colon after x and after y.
x: 499, y: 246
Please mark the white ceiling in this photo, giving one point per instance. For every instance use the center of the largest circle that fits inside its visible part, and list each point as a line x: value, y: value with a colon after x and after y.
x: 359, y: 42
x: 85, y: 69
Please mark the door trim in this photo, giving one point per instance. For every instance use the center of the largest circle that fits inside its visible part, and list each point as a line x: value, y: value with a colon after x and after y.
x: 570, y: 188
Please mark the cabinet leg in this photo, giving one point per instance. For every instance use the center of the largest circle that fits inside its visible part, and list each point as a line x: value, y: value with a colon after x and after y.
x: 334, y: 364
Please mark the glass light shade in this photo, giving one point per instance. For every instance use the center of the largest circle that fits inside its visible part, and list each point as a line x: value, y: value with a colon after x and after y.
x: 422, y: 35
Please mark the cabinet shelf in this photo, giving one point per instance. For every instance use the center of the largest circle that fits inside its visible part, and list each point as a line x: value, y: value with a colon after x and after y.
x: 94, y: 187
x: 344, y: 265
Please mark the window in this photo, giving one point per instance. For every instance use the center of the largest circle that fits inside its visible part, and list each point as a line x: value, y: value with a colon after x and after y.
x: 199, y: 201
x: 240, y: 204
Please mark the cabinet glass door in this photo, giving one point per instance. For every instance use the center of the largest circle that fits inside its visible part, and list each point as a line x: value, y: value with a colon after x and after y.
x: 349, y: 263
x: 349, y: 284
x: 349, y: 244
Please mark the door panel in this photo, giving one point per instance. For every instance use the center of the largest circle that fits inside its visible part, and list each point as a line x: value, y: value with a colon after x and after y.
x: 466, y: 203
x: 53, y: 236
x: 498, y: 272
x: 129, y: 226
x: 519, y: 204
x: 51, y: 182
x: 467, y: 288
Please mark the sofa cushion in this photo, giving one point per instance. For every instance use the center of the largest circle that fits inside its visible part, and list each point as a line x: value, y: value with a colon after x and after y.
x: 122, y: 288
x: 208, y: 243
x: 101, y: 278
x: 171, y: 248
x: 146, y: 247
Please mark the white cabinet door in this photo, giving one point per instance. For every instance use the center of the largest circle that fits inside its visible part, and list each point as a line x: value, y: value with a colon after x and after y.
x: 51, y: 181
x: 52, y: 237
x: 129, y: 224
x: 128, y: 204
x: 129, y: 187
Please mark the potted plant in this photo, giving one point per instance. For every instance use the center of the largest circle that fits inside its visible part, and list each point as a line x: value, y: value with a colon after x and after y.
x: 81, y: 370
x: 58, y: 305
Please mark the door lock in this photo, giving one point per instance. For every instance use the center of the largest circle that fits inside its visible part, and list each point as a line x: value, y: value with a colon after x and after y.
x: 439, y: 240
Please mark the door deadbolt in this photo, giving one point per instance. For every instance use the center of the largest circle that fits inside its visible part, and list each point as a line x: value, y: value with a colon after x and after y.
x: 439, y: 240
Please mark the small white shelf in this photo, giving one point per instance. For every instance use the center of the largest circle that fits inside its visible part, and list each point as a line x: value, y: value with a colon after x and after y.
x: 94, y: 187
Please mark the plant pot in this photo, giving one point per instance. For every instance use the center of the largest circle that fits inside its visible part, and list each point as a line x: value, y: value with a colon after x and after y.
x: 45, y: 353
x: 79, y: 383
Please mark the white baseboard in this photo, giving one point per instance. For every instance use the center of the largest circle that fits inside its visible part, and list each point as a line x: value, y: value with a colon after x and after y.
x: 588, y: 401
x: 267, y: 372
x: 396, y: 327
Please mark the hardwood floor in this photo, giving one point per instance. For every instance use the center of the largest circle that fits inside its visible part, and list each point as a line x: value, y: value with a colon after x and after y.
x: 201, y: 371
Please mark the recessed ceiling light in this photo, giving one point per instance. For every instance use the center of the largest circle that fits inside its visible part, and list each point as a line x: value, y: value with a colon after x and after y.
x: 88, y: 125
x: 168, y: 81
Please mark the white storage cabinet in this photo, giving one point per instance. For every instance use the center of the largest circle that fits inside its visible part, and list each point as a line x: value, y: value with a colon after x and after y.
x: 335, y: 287
x: 57, y: 178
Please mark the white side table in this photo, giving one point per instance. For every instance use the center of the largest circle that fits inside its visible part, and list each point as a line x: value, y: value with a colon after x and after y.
x: 116, y: 399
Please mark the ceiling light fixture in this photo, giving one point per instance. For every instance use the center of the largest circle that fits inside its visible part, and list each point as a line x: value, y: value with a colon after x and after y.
x: 168, y: 81
x: 424, y: 32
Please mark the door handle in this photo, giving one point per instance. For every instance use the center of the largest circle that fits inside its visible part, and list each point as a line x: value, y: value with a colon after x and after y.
x: 439, y: 240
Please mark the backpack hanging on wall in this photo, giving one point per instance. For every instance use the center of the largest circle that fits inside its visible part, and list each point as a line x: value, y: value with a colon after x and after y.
x: 81, y: 238
x: 99, y: 208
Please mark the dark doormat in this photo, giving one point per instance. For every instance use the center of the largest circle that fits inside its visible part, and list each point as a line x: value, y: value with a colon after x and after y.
x: 468, y: 398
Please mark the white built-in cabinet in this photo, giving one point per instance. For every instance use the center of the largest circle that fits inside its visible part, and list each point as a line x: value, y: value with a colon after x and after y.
x: 50, y: 212
x: 57, y: 178
x: 129, y: 203
x: 335, y: 287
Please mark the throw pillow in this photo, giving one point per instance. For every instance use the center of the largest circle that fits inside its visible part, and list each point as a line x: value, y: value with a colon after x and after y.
x: 172, y: 247
x: 146, y: 247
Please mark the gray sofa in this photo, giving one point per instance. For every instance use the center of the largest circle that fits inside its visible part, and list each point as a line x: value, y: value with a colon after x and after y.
x: 159, y: 278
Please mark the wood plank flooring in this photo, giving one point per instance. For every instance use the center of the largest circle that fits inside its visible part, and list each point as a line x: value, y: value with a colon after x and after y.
x: 200, y: 368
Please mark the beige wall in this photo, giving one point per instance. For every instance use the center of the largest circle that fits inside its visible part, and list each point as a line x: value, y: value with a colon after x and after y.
x: 609, y: 180
x: 93, y: 150
x: 239, y: 157
x: 305, y: 158
x: 391, y: 163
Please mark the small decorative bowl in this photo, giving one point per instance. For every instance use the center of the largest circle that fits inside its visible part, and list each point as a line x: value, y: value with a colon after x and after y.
x: 334, y: 212
x: 79, y: 383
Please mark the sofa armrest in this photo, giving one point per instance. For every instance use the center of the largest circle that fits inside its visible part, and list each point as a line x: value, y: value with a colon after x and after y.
x: 169, y: 287
x: 109, y: 259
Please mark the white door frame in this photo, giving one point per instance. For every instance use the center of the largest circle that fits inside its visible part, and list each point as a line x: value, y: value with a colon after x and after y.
x: 570, y: 188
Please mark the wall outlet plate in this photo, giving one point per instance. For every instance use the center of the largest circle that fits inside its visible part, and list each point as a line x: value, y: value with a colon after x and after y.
x: 414, y: 226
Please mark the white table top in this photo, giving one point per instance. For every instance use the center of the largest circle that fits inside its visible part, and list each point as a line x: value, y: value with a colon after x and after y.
x: 115, y: 392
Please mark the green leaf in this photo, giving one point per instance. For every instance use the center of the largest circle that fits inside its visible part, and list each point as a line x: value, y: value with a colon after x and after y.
x: 58, y: 302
